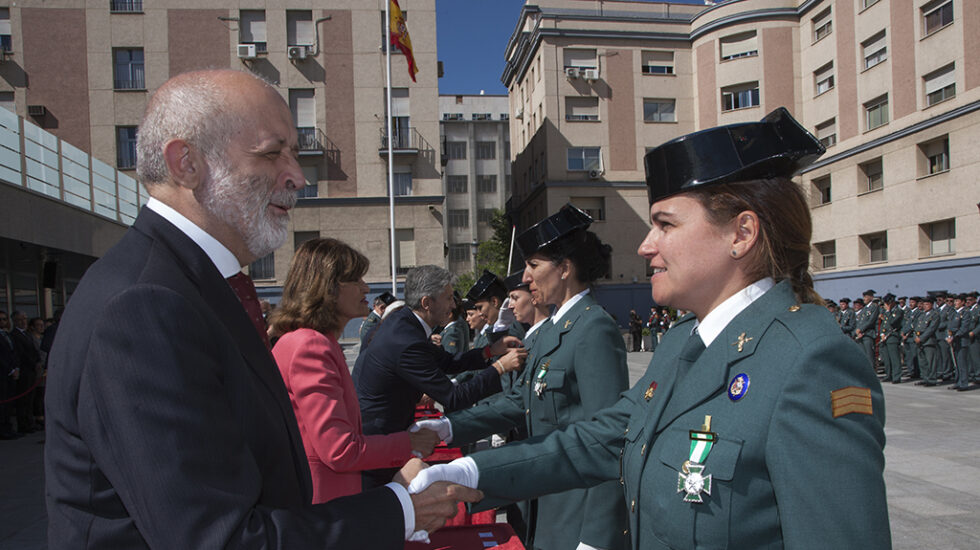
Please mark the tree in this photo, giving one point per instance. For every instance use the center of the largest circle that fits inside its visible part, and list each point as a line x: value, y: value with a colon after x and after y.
x: 490, y: 254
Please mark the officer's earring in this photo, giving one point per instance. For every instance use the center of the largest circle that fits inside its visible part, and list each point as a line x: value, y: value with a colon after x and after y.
x: 734, y: 253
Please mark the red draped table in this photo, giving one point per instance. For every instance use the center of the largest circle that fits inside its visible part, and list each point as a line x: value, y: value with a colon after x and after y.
x: 471, y: 537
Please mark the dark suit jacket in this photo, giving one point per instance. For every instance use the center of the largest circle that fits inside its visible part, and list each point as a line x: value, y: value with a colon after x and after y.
x: 401, y: 364
x: 27, y: 356
x: 168, y: 425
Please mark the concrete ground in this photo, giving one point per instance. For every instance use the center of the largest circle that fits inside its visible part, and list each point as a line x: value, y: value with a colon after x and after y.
x: 932, y: 471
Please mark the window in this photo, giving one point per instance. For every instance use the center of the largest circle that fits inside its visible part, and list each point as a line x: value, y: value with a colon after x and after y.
x: 456, y: 184
x: 827, y: 133
x: 484, y: 215
x: 865, y: 4
x: 871, y: 176
x: 823, y: 79
x: 822, y: 25
x: 486, y: 184
x: 303, y: 106
x: 452, y: 116
x: 581, y: 108
x: 7, y: 102
x: 659, y: 110
x: 936, y: 15
x: 743, y: 44
x: 459, y: 218
x: 940, y: 84
x: 481, y: 116
x: 581, y: 58
x: 404, y: 250
x: 876, y: 112
x: 403, y: 181
x: 740, y: 96
x: 125, y: 147
x: 299, y: 28
x: 264, y: 267
x: 874, y: 50
x: 128, y: 69
x: 593, y: 206
x: 935, y: 155
x: 504, y: 116
x: 310, y: 190
x: 828, y: 254
x: 251, y: 28
x: 456, y: 150
x: 874, y: 248
x: 126, y: 6
x: 301, y: 237
x: 486, y: 150
x: 940, y: 237
x: 584, y: 158
x: 657, y: 62
x: 459, y: 253
x: 6, y: 42
x: 821, y: 190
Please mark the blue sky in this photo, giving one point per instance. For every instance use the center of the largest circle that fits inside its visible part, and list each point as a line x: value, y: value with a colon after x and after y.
x: 471, y: 38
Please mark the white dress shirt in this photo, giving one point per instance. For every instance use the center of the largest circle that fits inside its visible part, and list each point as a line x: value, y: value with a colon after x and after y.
x: 715, y: 322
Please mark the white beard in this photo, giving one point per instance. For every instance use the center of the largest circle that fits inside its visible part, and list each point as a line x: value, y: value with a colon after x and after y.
x: 242, y: 202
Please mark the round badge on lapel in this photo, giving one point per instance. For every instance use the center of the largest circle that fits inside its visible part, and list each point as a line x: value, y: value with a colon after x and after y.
x: 738, y: 387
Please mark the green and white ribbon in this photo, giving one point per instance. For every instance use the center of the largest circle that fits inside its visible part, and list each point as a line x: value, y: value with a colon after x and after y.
x: 695, y: 482
x: 701, y: 443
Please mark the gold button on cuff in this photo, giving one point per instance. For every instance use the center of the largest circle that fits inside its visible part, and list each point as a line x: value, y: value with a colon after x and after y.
x: 633, y: 506
x: 626, y: 531
x: 527, y: 411
x: 643, y: 449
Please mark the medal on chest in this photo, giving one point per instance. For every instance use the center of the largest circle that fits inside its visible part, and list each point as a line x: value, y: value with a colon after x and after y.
x: 692, y: 479
x: 539, y: 382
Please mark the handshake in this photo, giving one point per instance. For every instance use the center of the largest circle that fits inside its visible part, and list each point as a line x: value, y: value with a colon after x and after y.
x: 436, y: 490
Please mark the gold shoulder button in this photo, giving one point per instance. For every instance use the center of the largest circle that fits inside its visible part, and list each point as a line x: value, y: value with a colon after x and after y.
x: 794, y: 308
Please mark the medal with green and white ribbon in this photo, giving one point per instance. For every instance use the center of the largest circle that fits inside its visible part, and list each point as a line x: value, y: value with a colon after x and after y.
x: 691, y: 480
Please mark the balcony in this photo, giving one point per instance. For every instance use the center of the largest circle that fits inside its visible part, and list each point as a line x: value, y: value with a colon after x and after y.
x: 406, y: 141
x: 311, y: 141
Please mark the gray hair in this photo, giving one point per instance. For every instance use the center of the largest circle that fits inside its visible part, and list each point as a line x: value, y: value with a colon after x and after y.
x: 193, y: 107
x: 425, y: 280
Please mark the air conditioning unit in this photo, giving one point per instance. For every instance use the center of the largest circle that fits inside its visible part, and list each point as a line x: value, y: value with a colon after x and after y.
x: 572, y: 72
x: 296, y: 52
x: 519, y: 114
x: 246, y: 51
x: 590, y: 74
x: 595, y: 173
x: 36, y: 110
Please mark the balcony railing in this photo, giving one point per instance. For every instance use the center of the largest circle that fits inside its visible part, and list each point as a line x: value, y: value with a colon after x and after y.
x: 126, y: 6
x: 403, y: 140
x: 310, y: 140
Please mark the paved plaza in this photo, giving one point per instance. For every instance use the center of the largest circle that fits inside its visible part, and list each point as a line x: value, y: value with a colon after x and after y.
x: 932, y: 471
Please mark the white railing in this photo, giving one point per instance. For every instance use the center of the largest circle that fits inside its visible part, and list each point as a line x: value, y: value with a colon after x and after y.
x: 36, y: 159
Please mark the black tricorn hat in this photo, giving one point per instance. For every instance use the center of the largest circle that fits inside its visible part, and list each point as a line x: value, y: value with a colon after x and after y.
x: 515, y: 281
x: 386, y: 298
x: 552, y: 228
x: 888, y: 298
x: 903, y: 297
x: 868, y: 292
x: 776, y: 146
x: 468, y: 304
x: 487, y: 286
x: 845, y: 300
x: 927, y: 298
x: 859, y: 301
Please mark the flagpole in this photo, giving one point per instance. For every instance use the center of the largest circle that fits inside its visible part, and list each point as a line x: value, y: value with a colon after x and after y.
x: 510, y: 258
x: 391, y: 155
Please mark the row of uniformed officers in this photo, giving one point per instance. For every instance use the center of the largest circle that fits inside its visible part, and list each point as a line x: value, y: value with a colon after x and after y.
x: 934, y: 336
x: 758, y: 424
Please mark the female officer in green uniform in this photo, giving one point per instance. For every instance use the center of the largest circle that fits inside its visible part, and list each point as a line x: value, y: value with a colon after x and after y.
x: 576, y: 367
x: 757, y: 424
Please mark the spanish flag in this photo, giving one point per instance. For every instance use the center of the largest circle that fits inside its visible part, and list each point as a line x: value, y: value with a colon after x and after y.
x: 399, y: 36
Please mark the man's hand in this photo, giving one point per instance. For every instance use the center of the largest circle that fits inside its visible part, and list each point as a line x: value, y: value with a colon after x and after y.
x: 513, y: 359
x: 441, y: 426
x: 501, y: 346
x: 423, y: 442
x: 409, y: 471
x: 438, y: 503
x: 436, y: 339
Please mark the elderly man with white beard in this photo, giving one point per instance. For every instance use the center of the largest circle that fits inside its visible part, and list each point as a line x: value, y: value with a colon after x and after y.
x: 168, y: 425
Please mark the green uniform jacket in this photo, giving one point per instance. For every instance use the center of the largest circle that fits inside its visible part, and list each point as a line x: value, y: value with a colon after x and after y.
x: 456, y: 337
x: 371, y: 321
x: 481, y: 340
x: 785, y: 472
x: 584, y: 360
x: 891, y: 327
x: 926, y: 327
x: 908, y: 320
x: 847, y: 321
x: 867, y: 321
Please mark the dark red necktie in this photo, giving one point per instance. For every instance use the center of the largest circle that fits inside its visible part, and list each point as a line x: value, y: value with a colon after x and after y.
x: 245, y: 290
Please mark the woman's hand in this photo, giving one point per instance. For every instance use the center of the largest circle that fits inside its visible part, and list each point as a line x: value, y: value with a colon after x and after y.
x: 423, y: 441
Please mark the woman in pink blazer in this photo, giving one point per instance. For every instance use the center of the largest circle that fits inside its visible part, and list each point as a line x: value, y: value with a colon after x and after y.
x: 323, y: 291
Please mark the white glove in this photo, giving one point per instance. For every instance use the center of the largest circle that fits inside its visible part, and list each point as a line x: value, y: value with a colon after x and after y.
x: 505, y: 318
x: 583, y: 546
x: 462, y: 471
x: 442, y: 427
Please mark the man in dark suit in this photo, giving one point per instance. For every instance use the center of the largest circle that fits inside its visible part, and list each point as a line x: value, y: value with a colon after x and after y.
x: 401, y: 363
x: 29, y: 359
x: 9, y: 372
x: 168, y: 424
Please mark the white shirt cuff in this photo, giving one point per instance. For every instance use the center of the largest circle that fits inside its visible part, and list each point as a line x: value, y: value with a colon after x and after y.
x: 407, y: 508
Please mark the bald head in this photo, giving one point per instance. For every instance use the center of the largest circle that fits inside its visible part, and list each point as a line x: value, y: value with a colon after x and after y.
x: 203, y: 108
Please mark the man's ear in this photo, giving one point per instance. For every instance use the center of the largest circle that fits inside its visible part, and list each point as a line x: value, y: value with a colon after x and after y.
x: 425, y: 303
x: 185, y: 164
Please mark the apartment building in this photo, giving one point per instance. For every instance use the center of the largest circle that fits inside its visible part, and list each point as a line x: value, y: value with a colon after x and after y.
x: 476, y: 176
x: 887, y: 86
x: 83, y: 71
